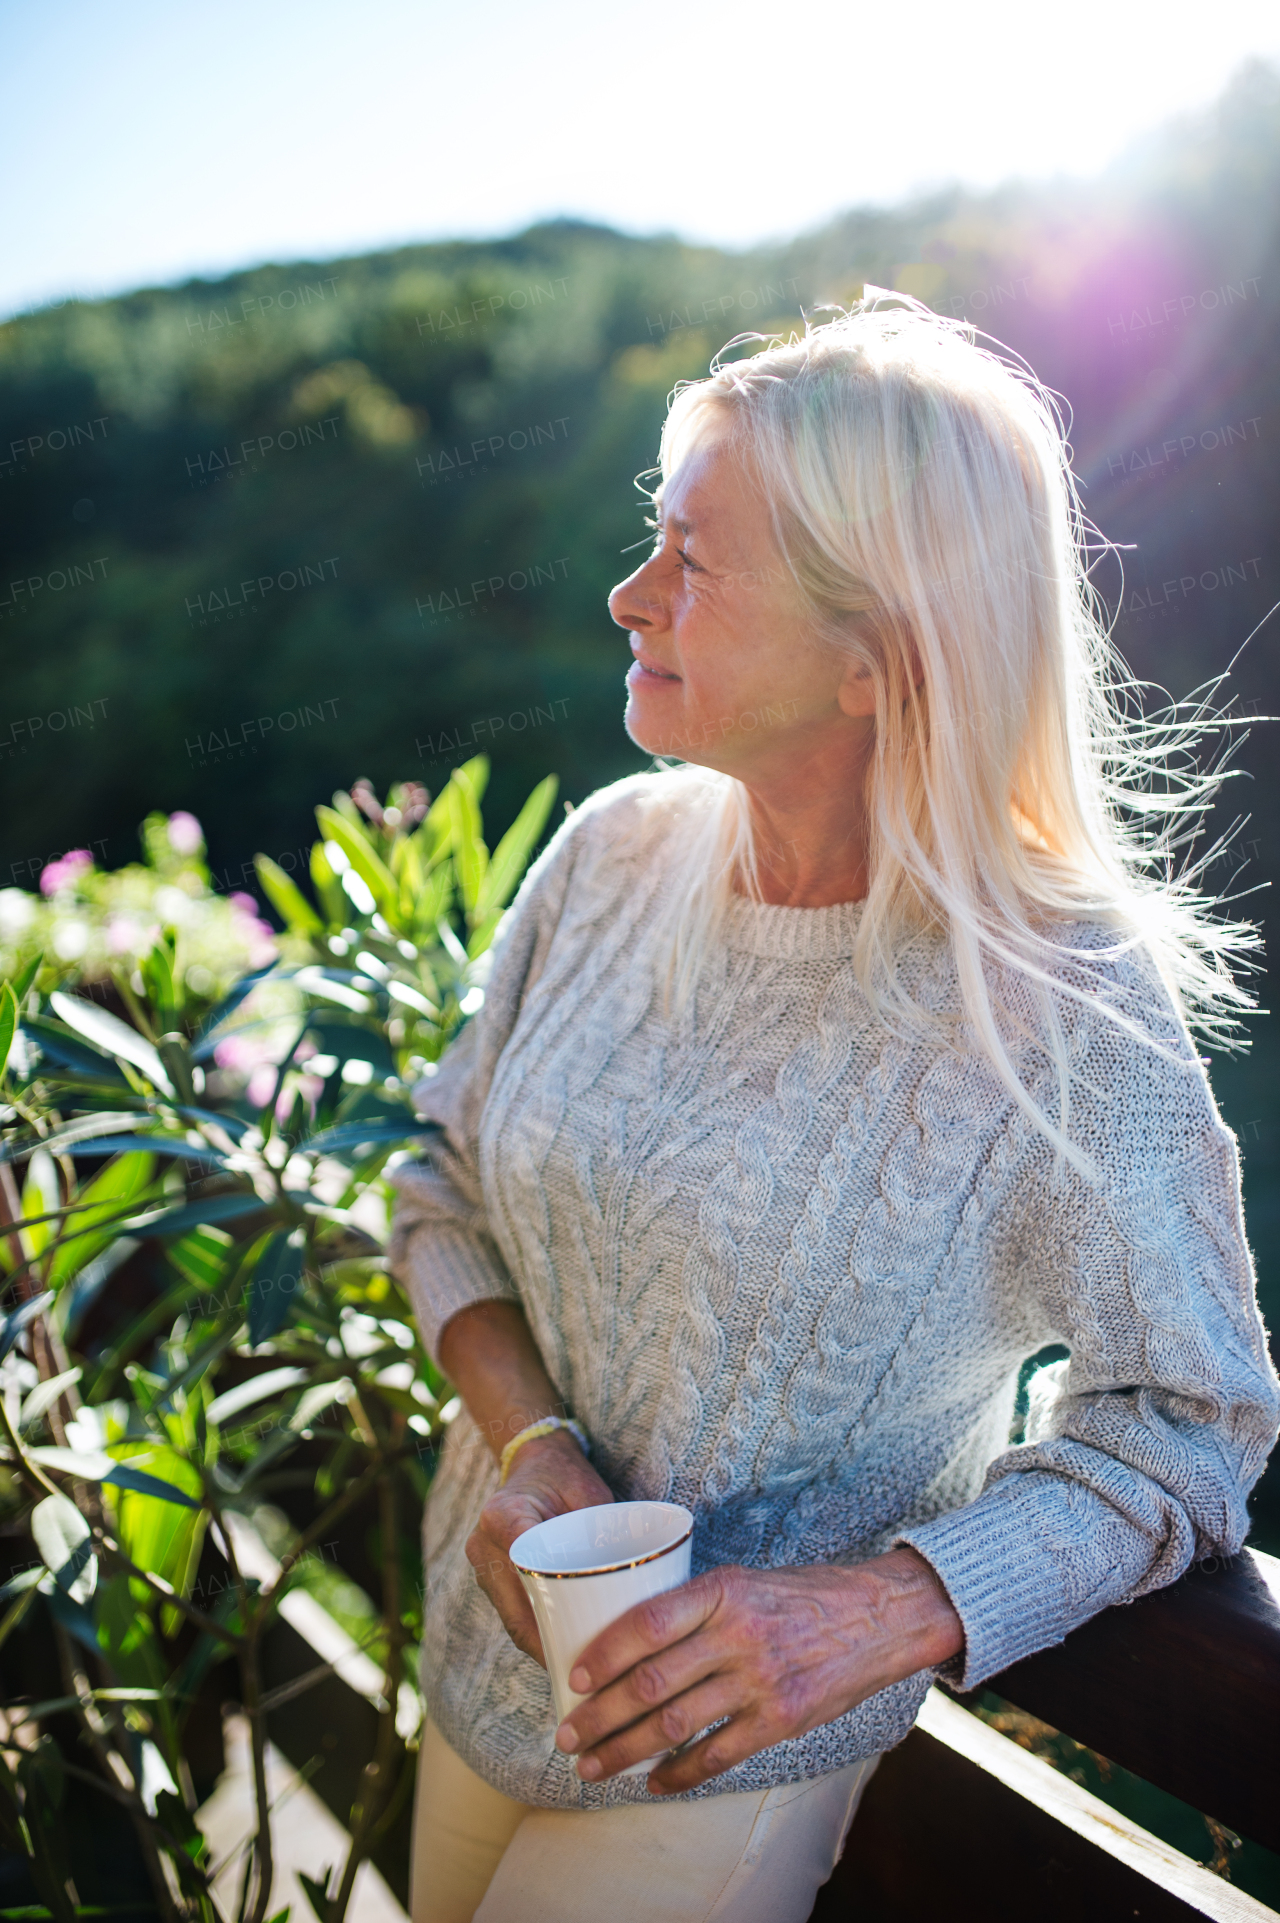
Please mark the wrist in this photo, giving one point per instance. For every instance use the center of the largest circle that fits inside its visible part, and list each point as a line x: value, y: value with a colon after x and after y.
x: 541, y: 1430
x: 912, y: 1603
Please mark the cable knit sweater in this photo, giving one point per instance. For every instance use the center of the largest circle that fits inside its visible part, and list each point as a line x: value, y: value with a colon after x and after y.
x: 785, y: 1267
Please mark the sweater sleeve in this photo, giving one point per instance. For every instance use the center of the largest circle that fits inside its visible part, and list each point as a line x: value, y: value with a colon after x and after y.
x: 1161, y: 1422
x: 441, y: 1246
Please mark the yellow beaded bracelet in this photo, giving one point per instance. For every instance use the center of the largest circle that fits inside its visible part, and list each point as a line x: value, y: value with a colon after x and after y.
x: 547, y: 1427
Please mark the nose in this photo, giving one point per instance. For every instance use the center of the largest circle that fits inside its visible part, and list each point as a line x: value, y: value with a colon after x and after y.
x: 638, y: 603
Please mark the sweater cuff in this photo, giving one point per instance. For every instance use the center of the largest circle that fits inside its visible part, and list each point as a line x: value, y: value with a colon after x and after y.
x: 996, y: 1563
x: 445, y: 1270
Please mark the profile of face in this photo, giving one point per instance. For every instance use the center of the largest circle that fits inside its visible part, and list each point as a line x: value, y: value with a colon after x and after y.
x: 728, y: 672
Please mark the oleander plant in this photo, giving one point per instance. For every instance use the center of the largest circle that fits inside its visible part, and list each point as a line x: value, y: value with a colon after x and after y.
x: 208, y: 1377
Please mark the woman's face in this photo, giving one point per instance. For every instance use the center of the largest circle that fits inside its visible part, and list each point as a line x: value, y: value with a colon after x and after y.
x: 727, y: 672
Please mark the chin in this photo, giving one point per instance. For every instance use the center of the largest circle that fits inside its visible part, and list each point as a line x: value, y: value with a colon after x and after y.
x: 648, y: 737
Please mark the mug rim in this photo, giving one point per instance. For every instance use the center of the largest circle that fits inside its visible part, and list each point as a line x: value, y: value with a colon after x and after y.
x: 608, y: 1568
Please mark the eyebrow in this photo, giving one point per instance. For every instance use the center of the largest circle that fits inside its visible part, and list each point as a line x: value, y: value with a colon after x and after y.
x: 682, y: 527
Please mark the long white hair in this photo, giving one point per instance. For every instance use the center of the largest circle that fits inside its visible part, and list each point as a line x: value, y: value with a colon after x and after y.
x: 922, y: 498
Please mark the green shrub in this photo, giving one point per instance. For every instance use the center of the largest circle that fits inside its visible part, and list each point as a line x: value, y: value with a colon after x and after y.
x: 241, y: 1122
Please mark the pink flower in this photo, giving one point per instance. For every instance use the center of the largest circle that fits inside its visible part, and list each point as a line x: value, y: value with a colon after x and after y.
x: 260, y: 1085
x: 310, y: 1087
x: 65, y: 871
x: 123, y: 935
x: 258, y: 934
x: 186, y: 836
x: 240, y: 1053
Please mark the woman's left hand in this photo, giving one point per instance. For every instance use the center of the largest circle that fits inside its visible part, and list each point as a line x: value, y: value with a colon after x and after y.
x: 776, y: 1651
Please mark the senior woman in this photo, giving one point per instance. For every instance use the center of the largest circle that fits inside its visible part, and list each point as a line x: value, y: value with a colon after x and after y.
x: 827, y: 1072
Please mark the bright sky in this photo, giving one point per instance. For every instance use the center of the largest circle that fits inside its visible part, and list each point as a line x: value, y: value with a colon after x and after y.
x: 151, y: 140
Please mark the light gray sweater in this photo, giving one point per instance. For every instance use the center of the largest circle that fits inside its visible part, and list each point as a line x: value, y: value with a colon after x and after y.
x: 785, y: 1266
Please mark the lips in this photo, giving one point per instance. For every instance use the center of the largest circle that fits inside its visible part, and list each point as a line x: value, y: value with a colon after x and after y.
x: 643, y: 670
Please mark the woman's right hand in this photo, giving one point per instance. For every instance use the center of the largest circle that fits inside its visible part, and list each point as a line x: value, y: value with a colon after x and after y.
x: 549, y: 1477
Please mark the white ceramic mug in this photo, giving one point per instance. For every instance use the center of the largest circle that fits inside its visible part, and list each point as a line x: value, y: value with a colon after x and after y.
x: 584, y: 1570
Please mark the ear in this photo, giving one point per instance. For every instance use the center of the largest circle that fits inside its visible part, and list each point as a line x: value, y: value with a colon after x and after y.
x: 856, y: 695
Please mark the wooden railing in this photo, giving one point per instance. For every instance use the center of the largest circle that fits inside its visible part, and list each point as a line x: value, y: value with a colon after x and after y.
x: 1182, y: 1688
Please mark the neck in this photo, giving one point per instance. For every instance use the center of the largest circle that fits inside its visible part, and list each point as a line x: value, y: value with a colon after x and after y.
x: 809, y: 855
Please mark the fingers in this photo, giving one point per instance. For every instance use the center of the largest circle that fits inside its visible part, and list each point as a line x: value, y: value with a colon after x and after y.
x: 505, y: 1591
x: 504, y: 1517
x: 732, y: 1743
x: 673, y: 1723
x: 645, y: 1629
x: 643, y: 1691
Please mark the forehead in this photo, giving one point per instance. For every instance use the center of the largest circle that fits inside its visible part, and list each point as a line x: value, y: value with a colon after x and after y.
x: 710, y: 494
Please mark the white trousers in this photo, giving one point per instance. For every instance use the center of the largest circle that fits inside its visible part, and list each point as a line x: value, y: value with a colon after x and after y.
x: 752, y: 1856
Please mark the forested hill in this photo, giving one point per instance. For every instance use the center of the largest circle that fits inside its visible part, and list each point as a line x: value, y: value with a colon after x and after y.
x: 360, y: 516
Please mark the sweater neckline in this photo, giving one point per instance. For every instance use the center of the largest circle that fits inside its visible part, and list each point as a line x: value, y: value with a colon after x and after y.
x: 791, y: 934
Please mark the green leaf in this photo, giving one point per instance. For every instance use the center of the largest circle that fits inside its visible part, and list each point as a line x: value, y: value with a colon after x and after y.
x: 80, y: 1130
x: 44, y: 1395
x: 57, y: 1041
x: 177, y: 1221
x: 120, y: 1185
x: 434, y: 902
x: 321, y: 1396
x: 160, y: 1517
x: 201, y: 1255
x: 112, y: 1035
x: 258, y: 1387
x: 175, y: 1054
x: 173, y: 1145
x: 367, y: 863
x: 275, y: 1282
x: 19, y: 1585
x: 41, y: 1200
x: 511, y: 856
x: 317, y: 1889
x: 21, y: 982
x: 211, y: 1029
x: 11, y: 1327
x: 63, y: 1538
x: 17, y: 1610
x: 352, y: 1135
x: 8, y: 1022
x: 470, y: 856
x: 95, y: 1465
x: 287, y: 898
x: 161, y: 979
x: 328, y: 891
x: 476, y: 774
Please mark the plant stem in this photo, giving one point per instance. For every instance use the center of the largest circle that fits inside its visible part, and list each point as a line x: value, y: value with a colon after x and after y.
x: 210, y: 1624
x: 76, y: 1684
x: 377, y: 1782
x: 263, y: 1861
x: 338, y: 1507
